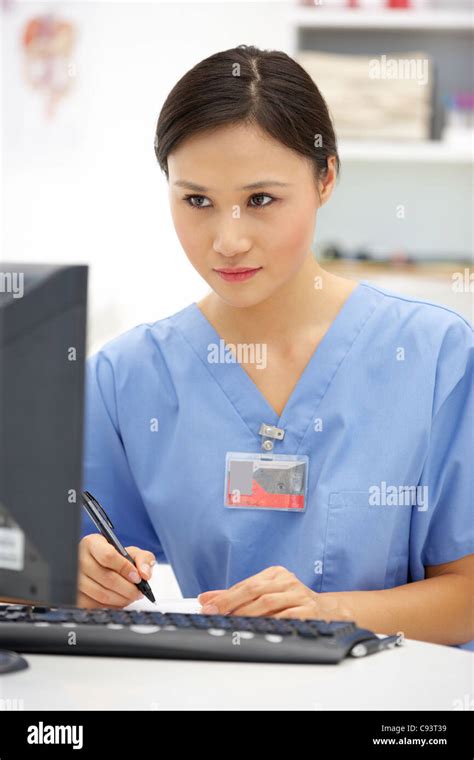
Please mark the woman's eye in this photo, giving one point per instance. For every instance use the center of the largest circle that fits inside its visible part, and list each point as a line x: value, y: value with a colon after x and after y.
x: 190, y: 198
x: 197, y: 201
x: 262, y: 195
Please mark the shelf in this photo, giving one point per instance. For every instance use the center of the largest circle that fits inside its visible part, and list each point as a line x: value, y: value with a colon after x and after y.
x: 442, y: 270
x: 441, y: 20
x: 430, y: 151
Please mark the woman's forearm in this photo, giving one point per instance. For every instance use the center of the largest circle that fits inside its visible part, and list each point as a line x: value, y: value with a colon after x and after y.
x: 439, y: 609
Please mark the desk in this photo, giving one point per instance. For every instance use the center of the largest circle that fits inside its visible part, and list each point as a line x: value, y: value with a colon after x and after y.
x: 416, y: 676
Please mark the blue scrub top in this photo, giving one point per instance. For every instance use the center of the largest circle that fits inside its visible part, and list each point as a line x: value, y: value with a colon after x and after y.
x: 386, y: 398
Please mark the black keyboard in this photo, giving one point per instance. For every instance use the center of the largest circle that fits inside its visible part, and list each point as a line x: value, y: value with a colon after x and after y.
x: 133, y: 633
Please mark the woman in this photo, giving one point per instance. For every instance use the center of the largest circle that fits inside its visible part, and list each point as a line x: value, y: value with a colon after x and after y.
x: 360, y: 399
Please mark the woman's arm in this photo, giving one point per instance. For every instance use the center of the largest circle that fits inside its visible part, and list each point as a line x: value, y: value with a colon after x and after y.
x: 438, y: 609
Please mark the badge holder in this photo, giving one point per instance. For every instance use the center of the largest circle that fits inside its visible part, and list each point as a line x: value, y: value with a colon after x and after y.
x: 266, y: 480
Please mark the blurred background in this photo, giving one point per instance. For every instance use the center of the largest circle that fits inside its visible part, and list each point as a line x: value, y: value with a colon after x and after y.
x: 82, y: 87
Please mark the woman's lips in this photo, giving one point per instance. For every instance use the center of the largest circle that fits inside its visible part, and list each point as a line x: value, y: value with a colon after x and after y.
x: 237, y: 274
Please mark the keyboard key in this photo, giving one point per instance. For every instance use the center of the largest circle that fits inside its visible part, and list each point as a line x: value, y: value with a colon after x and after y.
x: 80, y: 616
x: 323, y: 627
x: 181, y: 621
x: 220, y: 621
x: 137, y: 616
x: 201, y: 621
x: 158, y: 618
x: 283, y: 627
x: 101, y: 617
x: 264, y: 626
x: 51, y: 616
x: 13, y: 616
x: 240, y: 623
x: 303, y: 628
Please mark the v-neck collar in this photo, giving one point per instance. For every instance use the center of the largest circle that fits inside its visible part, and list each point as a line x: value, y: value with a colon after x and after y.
x: 305, y: 398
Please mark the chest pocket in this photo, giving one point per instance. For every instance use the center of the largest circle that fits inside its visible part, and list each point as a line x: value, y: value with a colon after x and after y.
x: 366, y: 547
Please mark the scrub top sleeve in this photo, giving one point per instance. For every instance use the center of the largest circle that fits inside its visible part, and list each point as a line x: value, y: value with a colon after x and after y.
x: 443, y: 532
x: 106, y: 471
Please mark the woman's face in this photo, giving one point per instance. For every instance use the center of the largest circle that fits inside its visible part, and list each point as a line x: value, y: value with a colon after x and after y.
x: 240, y: 199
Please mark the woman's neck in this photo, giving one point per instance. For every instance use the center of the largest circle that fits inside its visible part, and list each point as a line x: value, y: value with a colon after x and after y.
x: 310, y: 300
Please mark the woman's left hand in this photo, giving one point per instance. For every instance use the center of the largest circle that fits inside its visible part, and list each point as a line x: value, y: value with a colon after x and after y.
x: 275, y: 592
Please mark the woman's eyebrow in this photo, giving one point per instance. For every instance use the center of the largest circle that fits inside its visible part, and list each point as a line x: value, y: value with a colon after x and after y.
x: 252, y: 186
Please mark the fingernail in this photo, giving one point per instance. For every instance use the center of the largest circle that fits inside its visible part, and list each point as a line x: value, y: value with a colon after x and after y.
x: 145, y: 568
x: 134, y: 577
x: 210, y: 609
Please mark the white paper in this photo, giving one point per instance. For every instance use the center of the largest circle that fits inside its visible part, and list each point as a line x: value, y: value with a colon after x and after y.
x: 190, y: 604
x: 166, y: 605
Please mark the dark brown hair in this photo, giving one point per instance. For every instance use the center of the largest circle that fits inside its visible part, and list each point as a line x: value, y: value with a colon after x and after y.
x: 266, y: 88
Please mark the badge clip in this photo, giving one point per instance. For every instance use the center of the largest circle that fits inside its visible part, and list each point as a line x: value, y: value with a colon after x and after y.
x: 270, y: 431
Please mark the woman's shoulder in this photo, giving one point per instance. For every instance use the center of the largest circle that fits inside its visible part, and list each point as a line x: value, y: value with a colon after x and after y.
x: 425, y: 312
x: 437, y: 338
x: 142, y: 339
x: 434, y: 327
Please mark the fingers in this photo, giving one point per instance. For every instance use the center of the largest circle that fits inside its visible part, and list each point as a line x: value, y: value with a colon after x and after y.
x: 271, y: 580
x: 87, y: 602
x: 269, y: 604
x: 108, y: 579
x: 107, y: 556
x: 208, y: 596
x: 143, y: 560
x: 82, y: 600
x: 105, y: 597
x: 294, y: 612
x: 268, y: 573
x: 317, y: 611
x: 256, y: 599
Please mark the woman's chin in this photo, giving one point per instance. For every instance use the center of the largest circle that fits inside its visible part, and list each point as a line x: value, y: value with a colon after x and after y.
x: 240, y: 300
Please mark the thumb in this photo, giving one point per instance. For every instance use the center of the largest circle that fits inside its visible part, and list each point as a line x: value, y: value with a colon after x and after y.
x: 144, y: 560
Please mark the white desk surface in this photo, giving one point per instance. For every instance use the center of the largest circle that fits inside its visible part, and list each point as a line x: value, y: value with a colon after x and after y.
x: 416, y: 676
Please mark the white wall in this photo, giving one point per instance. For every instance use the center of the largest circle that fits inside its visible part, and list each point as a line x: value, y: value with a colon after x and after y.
x: 86, y: 188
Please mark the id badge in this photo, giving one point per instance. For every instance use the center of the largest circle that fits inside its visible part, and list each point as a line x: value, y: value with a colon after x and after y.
x: 266, y: 481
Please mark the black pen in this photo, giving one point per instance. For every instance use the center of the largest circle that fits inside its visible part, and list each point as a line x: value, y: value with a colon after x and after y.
x: 100, y: 519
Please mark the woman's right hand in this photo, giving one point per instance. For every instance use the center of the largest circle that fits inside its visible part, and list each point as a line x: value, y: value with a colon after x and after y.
x: 105, y: 578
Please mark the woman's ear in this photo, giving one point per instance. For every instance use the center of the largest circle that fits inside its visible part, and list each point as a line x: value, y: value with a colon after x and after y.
x: 326, y: 184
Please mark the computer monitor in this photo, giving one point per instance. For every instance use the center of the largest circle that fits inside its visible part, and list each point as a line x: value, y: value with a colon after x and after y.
x: 42, y: 351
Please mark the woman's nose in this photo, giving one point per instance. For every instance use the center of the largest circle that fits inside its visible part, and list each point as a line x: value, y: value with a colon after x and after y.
x: 231, y: 244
